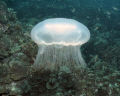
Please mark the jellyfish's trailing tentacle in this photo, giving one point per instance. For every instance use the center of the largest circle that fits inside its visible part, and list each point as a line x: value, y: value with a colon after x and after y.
x: 37, y: 62
x: 80, y: 58
x: 53, y: 57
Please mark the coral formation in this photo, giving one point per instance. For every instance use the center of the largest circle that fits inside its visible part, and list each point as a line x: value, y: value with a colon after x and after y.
x: 18, y: 70
x: 3, y: 12
x: 17, y: 50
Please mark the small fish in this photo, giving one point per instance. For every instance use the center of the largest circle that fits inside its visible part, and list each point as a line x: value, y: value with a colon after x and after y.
x: 99, y: 9
x: 73, y: 10
x: 96, y: 58
x: 108, y: 16
x: 88, y: 17
x: 115, y: 8
x: 108, y: 13
x: 96, y: 28
x: 97, y: 19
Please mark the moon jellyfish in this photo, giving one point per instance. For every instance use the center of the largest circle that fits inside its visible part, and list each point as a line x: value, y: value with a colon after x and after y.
x: 59, y: 41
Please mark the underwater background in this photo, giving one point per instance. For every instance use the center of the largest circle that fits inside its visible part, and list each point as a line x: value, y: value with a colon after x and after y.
x: 18, y: 51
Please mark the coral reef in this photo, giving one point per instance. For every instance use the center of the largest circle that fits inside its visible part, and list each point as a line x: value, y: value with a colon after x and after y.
x: 18, y: 51
x: 3, y: 12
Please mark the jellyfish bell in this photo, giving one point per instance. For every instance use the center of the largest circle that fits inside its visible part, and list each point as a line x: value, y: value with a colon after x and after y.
x: 60, y: 31
x: 59, y: 41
